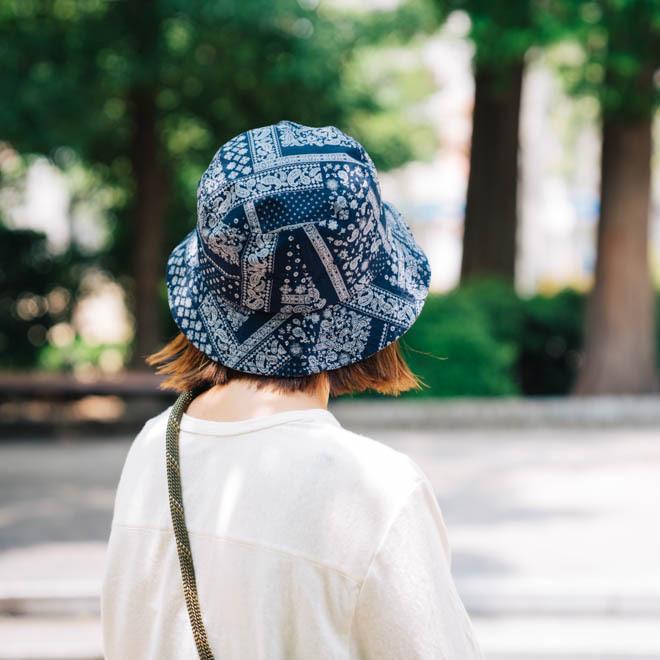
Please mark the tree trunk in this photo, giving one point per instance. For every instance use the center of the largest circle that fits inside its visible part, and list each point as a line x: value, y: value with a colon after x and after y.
x: 151, y: 193
x: 489, y: 240
x: 619, y: 355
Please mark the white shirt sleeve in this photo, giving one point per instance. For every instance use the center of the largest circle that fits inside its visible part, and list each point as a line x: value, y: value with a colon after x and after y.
x: 408, y: 607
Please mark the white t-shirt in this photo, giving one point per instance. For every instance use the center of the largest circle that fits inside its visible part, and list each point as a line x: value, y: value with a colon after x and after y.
x: 309, y: 542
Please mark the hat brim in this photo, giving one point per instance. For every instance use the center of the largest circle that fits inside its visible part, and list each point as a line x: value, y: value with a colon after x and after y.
x: 299, y: 344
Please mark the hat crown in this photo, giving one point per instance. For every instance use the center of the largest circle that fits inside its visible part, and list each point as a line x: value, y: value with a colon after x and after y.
x: 290, y: 219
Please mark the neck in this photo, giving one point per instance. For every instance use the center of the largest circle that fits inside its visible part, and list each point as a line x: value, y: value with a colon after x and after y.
x: 240, y: 399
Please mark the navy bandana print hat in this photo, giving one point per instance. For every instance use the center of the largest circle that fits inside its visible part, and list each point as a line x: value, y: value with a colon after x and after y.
x: 296, y: 266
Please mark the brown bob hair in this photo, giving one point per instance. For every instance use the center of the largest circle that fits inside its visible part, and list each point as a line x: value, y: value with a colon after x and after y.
x: 187, y: 368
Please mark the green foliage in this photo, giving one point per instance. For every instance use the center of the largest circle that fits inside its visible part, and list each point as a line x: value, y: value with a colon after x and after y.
x: 396, y: 79
x: 545, y: 332
x: 501, y: 304
x: 103, y: 87
x: 79, y: 354
x: 89, y: 80
x: 453, y: 348
x: 503, y: 31
x: 550, y: 342
x: 76, y: 71
x: 485, y: 340
x: 620, y: 41
x: 35, y: 294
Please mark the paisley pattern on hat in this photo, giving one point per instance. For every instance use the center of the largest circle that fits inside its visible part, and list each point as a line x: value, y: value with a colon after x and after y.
x: 296, y: 266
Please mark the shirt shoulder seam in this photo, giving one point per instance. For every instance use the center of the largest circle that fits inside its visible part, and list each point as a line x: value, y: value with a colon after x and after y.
x: 395, y: 515
x: 264, y: 546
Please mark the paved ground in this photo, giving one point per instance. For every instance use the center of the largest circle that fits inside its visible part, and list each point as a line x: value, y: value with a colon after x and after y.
x: 555, y: 536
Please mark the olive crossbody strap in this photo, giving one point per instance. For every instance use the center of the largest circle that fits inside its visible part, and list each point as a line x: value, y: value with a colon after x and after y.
x: 179, y: 524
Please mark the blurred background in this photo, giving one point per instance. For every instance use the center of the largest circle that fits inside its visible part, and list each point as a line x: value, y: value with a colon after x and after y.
x: 520, y: 140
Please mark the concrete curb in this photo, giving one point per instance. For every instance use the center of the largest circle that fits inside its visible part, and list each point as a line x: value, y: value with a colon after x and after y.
x: 419, y: 414
x: 489, y: 597
x: 505, y: 413
x: 482, y: 598
x: 50, y: 598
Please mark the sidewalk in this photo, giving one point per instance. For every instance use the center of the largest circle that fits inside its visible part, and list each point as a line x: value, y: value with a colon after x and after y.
x: 554, y: 533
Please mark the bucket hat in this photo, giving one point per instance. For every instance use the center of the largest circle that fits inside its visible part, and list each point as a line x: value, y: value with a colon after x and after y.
x: 296, y: 265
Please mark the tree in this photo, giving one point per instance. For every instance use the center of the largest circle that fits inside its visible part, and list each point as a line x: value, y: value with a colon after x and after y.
x: 145, y: 92
x: 622, y: 46
x: 503, y: 31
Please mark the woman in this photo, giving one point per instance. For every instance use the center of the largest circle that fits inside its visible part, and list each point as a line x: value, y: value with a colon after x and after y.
x: 300, y: 539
